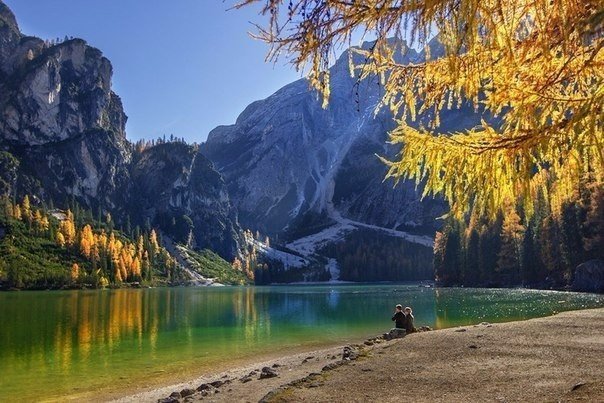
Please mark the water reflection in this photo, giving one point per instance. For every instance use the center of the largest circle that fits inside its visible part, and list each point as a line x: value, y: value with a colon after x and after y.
x: 56, y: 343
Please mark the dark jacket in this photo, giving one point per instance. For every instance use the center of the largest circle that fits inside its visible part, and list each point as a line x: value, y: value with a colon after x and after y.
x: 401, y: 320
x: 409, y: 323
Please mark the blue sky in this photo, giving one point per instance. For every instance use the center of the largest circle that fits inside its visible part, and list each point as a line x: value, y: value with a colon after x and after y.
x: 181, y: 67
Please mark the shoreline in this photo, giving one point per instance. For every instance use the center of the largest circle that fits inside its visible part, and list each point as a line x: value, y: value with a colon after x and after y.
x: 520, y: 349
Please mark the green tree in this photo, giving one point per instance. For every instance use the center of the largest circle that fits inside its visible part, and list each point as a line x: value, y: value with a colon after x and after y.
x: 593, y: 238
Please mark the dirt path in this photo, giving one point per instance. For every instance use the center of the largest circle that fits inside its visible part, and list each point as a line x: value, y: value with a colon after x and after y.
x: 558, y: 358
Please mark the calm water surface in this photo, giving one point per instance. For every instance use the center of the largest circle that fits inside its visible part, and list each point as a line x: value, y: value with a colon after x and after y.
x: 69, y: 343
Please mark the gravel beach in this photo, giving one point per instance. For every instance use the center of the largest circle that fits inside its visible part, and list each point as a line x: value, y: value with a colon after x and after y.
x: 556, y: 358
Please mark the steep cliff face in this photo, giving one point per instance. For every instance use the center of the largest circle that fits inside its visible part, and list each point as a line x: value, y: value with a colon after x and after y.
x: 62, y: 137
x: 61, y: 119
x: 287, y: 160
x: 55, y: 93
x: 177, y: 187
x: 10, y: 36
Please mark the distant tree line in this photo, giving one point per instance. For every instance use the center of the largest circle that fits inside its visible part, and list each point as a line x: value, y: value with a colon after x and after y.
x: 541, y: 250
x: 372, y: 256
x: 143, y: 144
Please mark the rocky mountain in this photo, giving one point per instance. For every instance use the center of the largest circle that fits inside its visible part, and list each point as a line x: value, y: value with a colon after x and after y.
x: 292, y: 167
x: 178, y: 186
x: 60, y: 118
x: 62, y: 137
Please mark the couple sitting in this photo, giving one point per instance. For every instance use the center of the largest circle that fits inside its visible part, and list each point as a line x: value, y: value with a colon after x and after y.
x: 403, y: 320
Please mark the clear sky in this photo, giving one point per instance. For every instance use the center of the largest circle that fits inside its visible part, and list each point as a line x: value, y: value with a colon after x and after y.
x: 181, y: 67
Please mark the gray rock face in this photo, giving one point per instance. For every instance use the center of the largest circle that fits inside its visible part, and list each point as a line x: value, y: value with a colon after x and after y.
x: 9, y: 36
x: 53, y: 92
x: 286, y: 157
x: 589, y: 276
x: 171, y: 181
x: 60, y: 119
x: 62, y: 136
x: 57, y: 93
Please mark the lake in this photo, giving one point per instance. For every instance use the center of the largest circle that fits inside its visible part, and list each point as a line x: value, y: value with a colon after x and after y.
x: 74, y: 343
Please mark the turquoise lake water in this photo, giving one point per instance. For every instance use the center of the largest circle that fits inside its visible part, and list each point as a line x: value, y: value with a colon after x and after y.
x: 72, y: 343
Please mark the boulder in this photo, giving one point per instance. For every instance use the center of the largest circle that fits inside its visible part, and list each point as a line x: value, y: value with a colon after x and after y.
x: 332, y: 366
x: 218, y: 383
x: 394, y: 334
x: 589, y: 276
x: 349, y: 354
x: 268, y: 372
x: 187, y: 392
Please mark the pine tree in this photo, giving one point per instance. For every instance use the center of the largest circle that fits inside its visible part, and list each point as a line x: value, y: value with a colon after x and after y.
x: 530, y: 264
x: 512, y: 231
x: 472, y: 259
x: 440, y: 243
x: 571, y: 237
x: 551, y: 255
x: 594, y: 223
x: 489, y: 244
x: 37, y: 219
x: 26, y: 209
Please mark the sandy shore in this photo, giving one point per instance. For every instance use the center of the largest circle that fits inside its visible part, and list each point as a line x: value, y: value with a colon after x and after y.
x: 557, y: 358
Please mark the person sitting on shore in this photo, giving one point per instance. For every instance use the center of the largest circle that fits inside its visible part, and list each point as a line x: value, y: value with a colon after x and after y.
x: 409, y: 318
x: 400, y: 322
x: 399, y: 318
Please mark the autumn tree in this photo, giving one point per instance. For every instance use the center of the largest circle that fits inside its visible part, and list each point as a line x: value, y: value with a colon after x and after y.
x: 509, y: 257
x: 17, y: 212
x: 68, y: 229
x: 86, y: 241
x: 26, y: 209
x: 535, y: 67
x: 75, y: 272
x: 38, y: 221
x: 60, y: 240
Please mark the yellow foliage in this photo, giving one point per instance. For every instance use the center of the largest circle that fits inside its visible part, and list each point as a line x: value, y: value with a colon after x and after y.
x: 26, y: 208
x: 60, y: 240
x: 17, y: 212
x: 538, y: 66
x: 75, y: 272
x: 68, y: 229
x: 44, y: 223
x: 87, y: 241
x: 154, y: 242
x: 103, y: 282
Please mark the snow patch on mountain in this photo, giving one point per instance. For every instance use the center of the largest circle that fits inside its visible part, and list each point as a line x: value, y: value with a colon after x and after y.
x: 289, y: 260
x: 310, y: 244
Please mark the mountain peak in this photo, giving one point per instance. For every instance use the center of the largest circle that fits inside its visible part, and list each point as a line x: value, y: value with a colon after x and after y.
x: 7, y: 18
